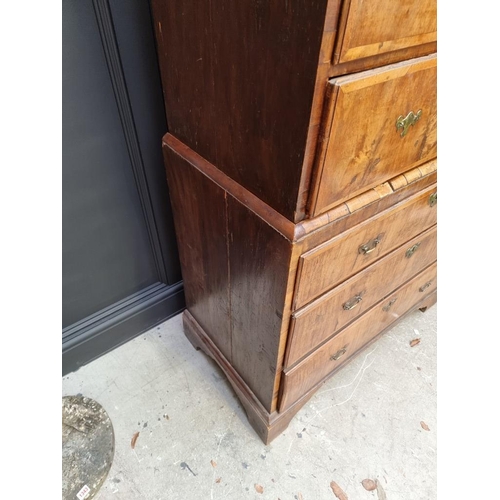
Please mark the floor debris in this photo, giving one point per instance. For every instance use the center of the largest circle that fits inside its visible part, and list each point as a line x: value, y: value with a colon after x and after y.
x: 369, y: 484
x: 338, y: 491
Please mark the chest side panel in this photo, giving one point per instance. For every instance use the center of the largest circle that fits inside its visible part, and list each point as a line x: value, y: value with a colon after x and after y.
x: 238, y: 80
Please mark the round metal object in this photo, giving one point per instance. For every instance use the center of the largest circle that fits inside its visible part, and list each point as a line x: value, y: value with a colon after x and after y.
x: 88, y: 446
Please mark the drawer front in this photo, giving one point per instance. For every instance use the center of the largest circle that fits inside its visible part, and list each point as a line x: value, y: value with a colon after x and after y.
x: 305, y: 375
x: 383, y: 122
x: 322, y: 318
x: 327, y: 265
x: 366, y: 32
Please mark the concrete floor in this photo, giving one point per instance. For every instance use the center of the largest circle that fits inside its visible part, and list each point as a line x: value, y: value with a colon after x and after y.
x: 195, y: 442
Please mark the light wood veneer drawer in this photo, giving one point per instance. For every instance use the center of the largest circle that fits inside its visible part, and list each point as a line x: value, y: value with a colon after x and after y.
x: 319, y: 320
x: 378, y: 124
x: 327, y: 265
x: 303, y: 376
x: 380, y: 26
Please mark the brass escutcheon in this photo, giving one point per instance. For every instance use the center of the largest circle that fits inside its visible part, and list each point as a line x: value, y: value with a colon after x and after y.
x: 412, y: 250
x: 425, y: 286
x: 352, y: 303
x: 369, y: 246
x: 338, y: 354
x: 404, y: 122
x: 433, y: 199
x: 389, y: 305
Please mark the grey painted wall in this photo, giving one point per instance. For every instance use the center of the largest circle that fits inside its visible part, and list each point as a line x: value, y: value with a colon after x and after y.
x: 119, y: 247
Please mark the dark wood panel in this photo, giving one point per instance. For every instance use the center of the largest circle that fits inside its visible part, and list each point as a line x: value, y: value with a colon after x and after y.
x: 199, y: 208
x: 259, y: 262
x: 245, y: 197
x: 237, y: 271
x: 236, y: 76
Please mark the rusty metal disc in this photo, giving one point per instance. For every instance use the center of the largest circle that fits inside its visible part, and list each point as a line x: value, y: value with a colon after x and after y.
x: 88, y: 446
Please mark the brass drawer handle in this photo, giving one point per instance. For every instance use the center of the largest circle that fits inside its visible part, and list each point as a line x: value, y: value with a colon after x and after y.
x: 338, y: 354
x: 389, y: 305
x: 352, y: 303
x: 405, y: 122
x: 412, y: 250
x: 425, y: 286
x: 369, y: 246
x: 433, y: 199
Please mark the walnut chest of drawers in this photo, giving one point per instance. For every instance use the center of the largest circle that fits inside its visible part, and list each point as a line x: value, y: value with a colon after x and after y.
x: 301, y: 164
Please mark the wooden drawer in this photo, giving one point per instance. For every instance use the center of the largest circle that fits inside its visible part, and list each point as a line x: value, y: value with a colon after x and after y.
x: 364, y: 147
x: 325, y: 266
x: 303, y: 376
x: 368, y: 29
x: 319, y: 320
